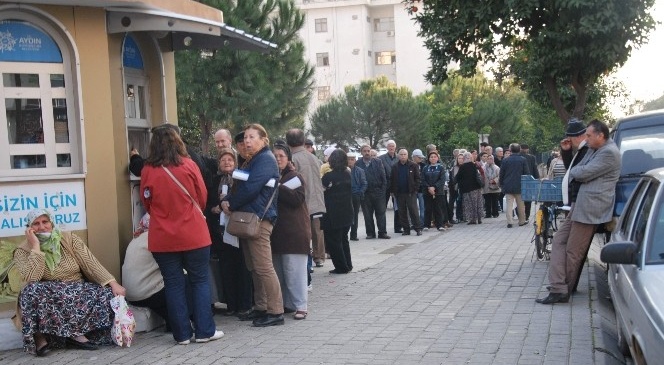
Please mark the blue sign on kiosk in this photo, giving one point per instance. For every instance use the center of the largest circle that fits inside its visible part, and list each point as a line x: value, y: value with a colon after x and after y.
x: 21, y: 41
x: 131, y: 54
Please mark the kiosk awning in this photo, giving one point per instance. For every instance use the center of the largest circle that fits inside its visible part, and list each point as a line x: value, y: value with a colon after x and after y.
x: 183, y: 24
x: 185, y: 32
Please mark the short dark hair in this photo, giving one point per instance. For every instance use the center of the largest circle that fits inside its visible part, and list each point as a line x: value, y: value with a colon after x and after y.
x: 295, y: 137
x: 515, y: 148
x: 600, y: 127
x: 338, y: 160
x: 524, y: 146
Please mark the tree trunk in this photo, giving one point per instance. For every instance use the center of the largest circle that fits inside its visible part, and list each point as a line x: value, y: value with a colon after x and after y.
x: 554, y: 96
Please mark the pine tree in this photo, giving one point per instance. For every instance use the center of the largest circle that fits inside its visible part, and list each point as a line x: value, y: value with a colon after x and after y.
x: 231, y: 88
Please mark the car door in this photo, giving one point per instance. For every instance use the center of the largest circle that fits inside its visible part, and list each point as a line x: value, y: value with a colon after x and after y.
x: 621, y: 276
x: 630, y: 278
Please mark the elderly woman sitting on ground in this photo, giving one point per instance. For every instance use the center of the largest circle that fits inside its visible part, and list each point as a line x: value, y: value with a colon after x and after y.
x: 57, y: 307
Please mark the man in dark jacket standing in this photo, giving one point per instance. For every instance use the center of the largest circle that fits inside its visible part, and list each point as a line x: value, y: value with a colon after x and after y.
x: 374, y: 198
x: 534, y: 172
x: 404, y: 185
x: 389, y: 159
x: 358, y: 186
x: 510, y: 183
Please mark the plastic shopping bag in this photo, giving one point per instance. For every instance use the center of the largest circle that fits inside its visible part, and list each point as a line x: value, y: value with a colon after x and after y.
x: 122, y: 331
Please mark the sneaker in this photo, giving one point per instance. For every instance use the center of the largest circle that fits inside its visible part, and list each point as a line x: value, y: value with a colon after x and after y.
x: 319, y: 264
x: 310, y: 287
x: 524, y: 223
x: 185, y: 342
x: 217, y: 335
x: 441, y: 229
x: 509, y: 225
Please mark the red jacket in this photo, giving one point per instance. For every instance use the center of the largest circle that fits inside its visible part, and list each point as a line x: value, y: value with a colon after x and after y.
x: 175, y: 223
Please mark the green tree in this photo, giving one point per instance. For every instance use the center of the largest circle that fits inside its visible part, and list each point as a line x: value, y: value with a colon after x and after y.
x: 371, y: 112
x: 559, y: 46
x: 230, y: 88
x: 463, y: 107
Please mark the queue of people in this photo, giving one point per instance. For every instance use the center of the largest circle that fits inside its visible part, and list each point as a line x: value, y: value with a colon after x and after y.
x: 306, y: 213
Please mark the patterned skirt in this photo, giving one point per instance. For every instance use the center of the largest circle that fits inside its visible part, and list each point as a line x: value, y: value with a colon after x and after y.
x: 473, y: 205
x: 60, y: 309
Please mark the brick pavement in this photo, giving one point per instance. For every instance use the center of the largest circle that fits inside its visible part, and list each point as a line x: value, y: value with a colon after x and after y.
x: 465, y: 296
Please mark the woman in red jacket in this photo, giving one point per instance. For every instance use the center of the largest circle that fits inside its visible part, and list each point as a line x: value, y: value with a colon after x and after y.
x: 173, y: 192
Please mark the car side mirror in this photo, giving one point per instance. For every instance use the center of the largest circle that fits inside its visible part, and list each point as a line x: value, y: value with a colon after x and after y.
x: 619, y: 253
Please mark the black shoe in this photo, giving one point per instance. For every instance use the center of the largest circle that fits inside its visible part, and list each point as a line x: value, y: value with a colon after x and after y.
x: 487, y: 216
x: 419, y: 232
x: 336, y: 271
x: 80, y: 345
x: 354, y: 239
x: 370, y: 236
x: 269, y: 320
x: 472, y: 222
x: 405, y: 233
x: 524, y: 223
x: 398, y: 231
x: 509, y: 225
x: 554, y: 298
x: 479, y: 221
x: 384, y: 236
x: 288, y: 310
x: 251, y: 315
x: 44, y: 350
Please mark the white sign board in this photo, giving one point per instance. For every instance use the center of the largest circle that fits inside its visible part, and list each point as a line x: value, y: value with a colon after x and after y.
x: 65, y: 200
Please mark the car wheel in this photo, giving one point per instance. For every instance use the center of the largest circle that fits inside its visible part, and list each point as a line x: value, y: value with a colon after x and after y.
x: 623, y: 346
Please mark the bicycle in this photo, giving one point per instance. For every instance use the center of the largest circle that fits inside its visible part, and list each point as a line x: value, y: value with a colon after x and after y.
x: 546, y: 223
x: 546, y: 193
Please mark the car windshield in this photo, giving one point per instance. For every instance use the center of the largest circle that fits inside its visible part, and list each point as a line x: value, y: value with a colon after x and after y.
x: 642, y: 149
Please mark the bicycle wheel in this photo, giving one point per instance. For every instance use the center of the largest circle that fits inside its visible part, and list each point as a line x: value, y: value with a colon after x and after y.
x: 540, y: 246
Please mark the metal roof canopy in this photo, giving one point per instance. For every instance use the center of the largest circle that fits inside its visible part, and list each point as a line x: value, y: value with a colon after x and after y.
x: 184, y: 24
x: 186, y: 32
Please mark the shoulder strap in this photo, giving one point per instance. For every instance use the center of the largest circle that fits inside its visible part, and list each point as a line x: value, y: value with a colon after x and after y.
x: 269, y: 202
x: 177, y: 182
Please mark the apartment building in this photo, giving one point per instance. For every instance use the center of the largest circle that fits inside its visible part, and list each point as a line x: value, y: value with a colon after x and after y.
x: 353, y: 40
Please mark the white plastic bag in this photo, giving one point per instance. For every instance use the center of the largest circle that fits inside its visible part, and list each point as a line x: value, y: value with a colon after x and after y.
x: 124, y: 324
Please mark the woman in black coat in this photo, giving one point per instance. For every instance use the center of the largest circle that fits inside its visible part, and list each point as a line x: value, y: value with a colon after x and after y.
x: 469, y: 184
x: 337, y: 220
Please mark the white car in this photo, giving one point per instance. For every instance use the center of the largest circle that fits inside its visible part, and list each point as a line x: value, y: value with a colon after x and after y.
x: 636, y: 271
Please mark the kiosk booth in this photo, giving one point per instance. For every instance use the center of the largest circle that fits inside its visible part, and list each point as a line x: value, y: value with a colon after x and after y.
x: 82, y: 83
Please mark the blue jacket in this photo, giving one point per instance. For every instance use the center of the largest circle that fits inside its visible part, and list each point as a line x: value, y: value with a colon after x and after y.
x: 358, y: 181
x: 434, y: 175
x: 252, y: 195
x: 375, y: 174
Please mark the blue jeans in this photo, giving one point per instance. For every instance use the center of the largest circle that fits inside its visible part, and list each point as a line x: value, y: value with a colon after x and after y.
x: 196, y: 262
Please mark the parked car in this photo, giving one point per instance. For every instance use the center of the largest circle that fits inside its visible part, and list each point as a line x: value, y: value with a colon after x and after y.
x: 640, y: 139
x: 636, y: 273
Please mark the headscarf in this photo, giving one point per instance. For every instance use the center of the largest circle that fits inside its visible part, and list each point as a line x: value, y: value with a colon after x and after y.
x: 50, y: 246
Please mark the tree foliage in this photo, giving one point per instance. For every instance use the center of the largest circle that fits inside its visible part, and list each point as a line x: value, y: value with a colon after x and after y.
x: 373, y: 111
x: 463, y: 107
x: 560, y: 46
x: 230, y: 88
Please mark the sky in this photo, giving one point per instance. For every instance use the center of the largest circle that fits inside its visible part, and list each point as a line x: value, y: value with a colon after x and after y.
x: 643, y: 74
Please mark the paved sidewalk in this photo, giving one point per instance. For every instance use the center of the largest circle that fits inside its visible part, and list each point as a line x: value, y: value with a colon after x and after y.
x: 465, y: 296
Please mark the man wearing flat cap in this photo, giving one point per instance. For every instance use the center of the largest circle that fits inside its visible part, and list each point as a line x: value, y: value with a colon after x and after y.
x: 591, y: 180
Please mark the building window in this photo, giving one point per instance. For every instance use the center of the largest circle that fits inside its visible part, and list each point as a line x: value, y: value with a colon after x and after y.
x: 386, y: 58
x: 321, y: 25
x: 383, y: 24
x: 38, y: 113
x: 322, y: 59
x: 323, y: 92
